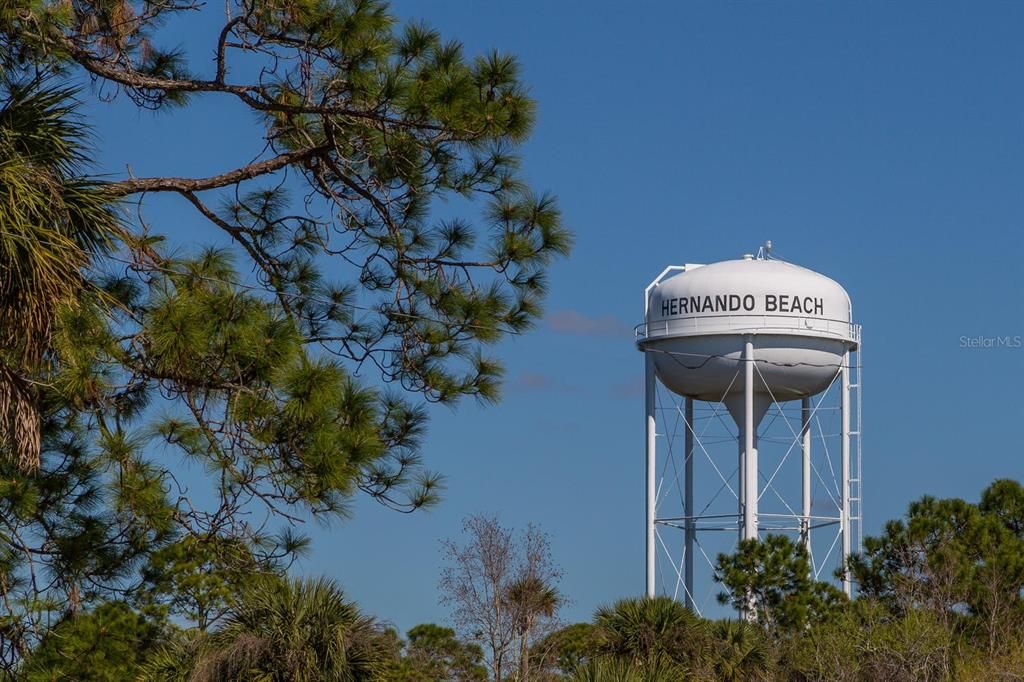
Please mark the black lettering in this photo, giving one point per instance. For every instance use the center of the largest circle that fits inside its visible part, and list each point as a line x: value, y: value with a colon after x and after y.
x: 808, y: 305
x: 708, y: 305
x: 748, y: 302
x: 771, y: 303
x: 682, y: 305
x: 734, y: 302
x: 819, y: 306
x: 796, y: 305
x: 720, y: 303
x: 783, y: 303
x: 695, y: 304
x: 664, y: 309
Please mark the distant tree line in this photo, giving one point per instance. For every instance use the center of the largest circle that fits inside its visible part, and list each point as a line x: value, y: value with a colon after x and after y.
x: 939, y: 598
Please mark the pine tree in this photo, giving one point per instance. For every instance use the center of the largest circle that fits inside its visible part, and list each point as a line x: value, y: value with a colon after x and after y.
x: 772, y: 579
x: 146, y: 357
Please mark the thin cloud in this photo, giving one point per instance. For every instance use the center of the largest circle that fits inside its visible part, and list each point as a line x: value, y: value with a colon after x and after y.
x: 573, y: 322
x: 534, y: 381
x: 538, y: 382
x: 628, y: 390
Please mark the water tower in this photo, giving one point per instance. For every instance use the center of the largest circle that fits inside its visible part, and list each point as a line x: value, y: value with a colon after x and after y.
x: 749, y: 337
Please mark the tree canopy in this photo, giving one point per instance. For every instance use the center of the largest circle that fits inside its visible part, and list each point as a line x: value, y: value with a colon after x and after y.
x: 169, y: 412
x: 771, y: 581
x: 371, y: 122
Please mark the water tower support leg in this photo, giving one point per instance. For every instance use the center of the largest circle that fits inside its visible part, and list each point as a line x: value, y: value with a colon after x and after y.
x: 805, y: 510
x: 691, y: 526
x: 650, y: 435
x: 741, y: 484
x: 845, y: 444
x: 749, y: 468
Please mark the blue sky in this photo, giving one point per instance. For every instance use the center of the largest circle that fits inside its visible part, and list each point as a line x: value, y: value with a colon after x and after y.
x: 879, y: 143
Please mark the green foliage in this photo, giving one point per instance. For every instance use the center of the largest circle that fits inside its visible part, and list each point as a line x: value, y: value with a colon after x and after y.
x: 1004, y: 499
x: 972, y: 665
x: 197, y: 578
x: 379, y: 123
x: 650, y: 634
x: 940, y: 597
x: 434, y: 654
x: 55, y: 221
x: 381, y: 247
x: 298, y: 630
x: 532, y: 599
x: 120, y: 370
x: 740, y: 651
x: 274, y: 427
x: 772, y: 579
x: 620, y: 670
x: 656, y: 639
x: 566, y: 649
x: 864, y: 641
x: 68, y: 537
x: 23, y: 27
x: 106, y: 644
x: 963, y: 562
x: 285, y: 426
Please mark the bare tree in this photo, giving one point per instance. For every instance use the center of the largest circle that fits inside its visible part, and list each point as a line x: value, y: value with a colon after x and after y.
x: 502, y: 588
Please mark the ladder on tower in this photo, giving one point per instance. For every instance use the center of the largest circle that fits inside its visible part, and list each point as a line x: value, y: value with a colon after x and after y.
x: 856, y: 479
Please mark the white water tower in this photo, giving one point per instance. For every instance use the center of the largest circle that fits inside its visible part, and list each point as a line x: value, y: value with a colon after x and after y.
x: 747, y: 337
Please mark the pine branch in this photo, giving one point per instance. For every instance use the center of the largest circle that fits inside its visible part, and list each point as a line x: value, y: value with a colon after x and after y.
x: 232, y: 177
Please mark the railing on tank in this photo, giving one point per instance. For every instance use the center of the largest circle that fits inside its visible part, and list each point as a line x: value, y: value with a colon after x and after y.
x: 728, y: 324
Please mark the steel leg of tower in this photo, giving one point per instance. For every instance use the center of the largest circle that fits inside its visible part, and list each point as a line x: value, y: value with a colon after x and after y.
x: 805, y: 437
x: 650, y: 436
x: 845, y: 473
x: 749, y: 451
x: 688, y: 507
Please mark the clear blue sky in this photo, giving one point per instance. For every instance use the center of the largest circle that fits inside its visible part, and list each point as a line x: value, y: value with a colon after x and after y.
x: 879, y: 143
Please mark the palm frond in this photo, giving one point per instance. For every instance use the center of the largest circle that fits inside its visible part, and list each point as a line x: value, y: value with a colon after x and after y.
x: 300, y: 630
x: 53, y: 221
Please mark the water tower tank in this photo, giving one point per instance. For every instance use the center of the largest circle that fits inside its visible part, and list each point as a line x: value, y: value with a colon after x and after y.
x: 697, y: 322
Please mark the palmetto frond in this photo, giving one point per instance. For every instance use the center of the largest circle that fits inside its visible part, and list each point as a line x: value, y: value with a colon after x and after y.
x: 296, y: 630
x: 742, y: 651
x: 534, y: 596
x: 646, y: 629
x: 620, y: 670
x: 53, y: 221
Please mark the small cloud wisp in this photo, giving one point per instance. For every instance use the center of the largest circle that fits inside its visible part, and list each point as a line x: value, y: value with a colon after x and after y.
x: 574, y: 322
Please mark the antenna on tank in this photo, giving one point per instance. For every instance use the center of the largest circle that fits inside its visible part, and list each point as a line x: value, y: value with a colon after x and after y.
x: 765, y: 252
